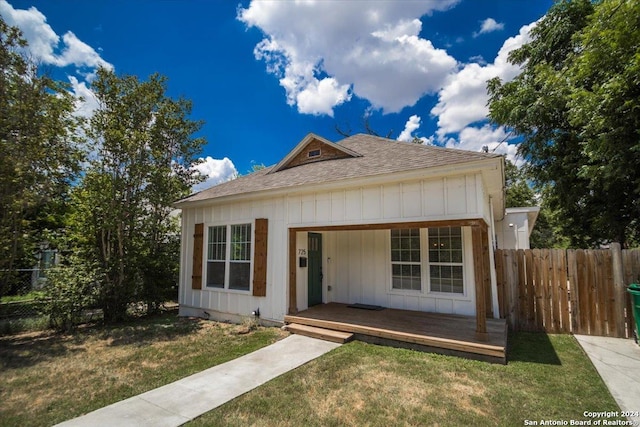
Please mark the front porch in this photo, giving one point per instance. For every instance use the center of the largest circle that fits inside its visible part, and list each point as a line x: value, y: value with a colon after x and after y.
x: 432, y: 332
x: 476, y: 252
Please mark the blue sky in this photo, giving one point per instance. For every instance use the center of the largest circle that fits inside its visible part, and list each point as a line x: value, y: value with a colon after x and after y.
x: 264, y: 74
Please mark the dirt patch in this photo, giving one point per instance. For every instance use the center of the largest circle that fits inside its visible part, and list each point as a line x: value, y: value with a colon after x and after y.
x: 466, y: 393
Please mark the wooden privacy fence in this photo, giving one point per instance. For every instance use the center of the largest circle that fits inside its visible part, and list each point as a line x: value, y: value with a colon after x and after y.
x: 568, y: 291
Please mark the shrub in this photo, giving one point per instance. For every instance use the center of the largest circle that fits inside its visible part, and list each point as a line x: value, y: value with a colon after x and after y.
x: 70, y: 291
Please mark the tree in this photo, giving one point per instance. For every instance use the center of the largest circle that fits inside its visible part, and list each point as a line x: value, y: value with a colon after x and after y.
x: 548, y: 232
x: 123, y: 220
x: 255, y: 167
x: 604, y: 105
x: 518, y: 192
x: 39, y: 154
x: 367, y: 128
x: 575, y: 106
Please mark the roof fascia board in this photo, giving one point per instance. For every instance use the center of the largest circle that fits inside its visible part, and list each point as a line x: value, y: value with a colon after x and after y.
x: 532, y: 216
x: 523, y: 209
x: 531, y: 211
x: 495, y: 185
x: 482, y: 165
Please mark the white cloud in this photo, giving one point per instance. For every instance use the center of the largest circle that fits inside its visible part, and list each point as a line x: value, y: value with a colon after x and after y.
x: 320, y: 96
x: 80, y: 54
x: 45, y: 45
x: 478, y: 59
x: 463, y: 102
x: 463, y: 99
x: 489, y: 25
x: 411, y: 126
x: 33, y: 24
x: 318, y: 49
x: 495, y: 139
x: 86, y: 101
x: 216, y: 172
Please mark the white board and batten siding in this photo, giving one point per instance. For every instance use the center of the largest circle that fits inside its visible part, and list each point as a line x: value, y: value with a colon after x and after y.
x: 357, y: 266
x: 356, y: 263
x: 231, y: 305
x: 457, y: 197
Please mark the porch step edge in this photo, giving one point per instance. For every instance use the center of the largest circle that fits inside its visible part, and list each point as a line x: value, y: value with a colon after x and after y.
x: 427, y: 340
x: 321, y: 333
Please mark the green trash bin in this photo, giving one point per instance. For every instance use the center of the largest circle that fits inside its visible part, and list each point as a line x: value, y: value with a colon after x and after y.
x: 634, y: 291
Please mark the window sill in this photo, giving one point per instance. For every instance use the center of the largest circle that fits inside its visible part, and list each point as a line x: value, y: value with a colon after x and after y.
x: 404, y: 292
x: 228, y: 291
x: 448, y: 295
x: 427, y: 294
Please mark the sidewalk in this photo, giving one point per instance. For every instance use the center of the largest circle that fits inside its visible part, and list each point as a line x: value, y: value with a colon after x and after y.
x: 617, y: 361
x: 176, y: 403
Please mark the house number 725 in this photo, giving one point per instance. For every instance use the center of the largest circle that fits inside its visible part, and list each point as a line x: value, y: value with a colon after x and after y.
x: 302, y: 252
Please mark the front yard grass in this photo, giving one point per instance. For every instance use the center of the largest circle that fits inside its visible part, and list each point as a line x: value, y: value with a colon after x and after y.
x: 47, y: 378
x: 547, y: 378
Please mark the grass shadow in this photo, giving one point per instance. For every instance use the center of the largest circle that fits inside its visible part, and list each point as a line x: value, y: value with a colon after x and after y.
x: 150, y: 329
x: 23, y: 350
x: 532, y: 347
x: 28, y: 349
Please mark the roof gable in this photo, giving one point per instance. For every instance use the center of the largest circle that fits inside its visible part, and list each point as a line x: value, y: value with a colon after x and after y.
x: 311, y: 149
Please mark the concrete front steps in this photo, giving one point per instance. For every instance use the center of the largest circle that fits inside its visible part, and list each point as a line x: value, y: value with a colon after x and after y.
x: 320, y: 333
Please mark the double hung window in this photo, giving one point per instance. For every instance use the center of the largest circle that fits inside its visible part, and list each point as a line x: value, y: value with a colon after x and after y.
x: 240, y: 257
x: 217, y: 257
x: 442, y: 266
x: 405, y: 259
x: 445, y: 260
x: 229, y: 257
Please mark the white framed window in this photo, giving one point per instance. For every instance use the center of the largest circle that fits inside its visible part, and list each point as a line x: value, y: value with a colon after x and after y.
x: 441, y: 267
x: 446, y: 267
x: 216, y: 256
x: 313, y: 153
x: 240, y: 259
x: 229, y: 257
x: 48, y: 259
x: 406, y: 264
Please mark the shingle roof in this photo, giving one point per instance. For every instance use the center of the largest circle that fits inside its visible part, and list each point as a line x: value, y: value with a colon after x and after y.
x: 379, y: 156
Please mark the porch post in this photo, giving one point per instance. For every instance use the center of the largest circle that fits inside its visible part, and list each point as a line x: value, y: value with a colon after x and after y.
x: 293, y: 308
x: 479, y: 276
x: 486, y: 262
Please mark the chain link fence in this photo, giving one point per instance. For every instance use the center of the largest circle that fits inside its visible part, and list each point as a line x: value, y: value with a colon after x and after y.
x: 18, y: 286
x: 22, y: 304
x: 20, y: 309
x: 22, y: 281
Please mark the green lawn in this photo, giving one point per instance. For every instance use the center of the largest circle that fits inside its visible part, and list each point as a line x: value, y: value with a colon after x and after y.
x: 46, y: 378
x: 547, y: 378
x: 25, y: 297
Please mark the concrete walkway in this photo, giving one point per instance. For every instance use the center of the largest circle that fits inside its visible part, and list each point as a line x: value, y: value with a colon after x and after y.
x: 618, y: 362
x: 176, y: 403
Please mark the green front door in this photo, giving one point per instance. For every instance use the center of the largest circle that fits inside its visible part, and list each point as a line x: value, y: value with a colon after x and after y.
x: 314, y: 269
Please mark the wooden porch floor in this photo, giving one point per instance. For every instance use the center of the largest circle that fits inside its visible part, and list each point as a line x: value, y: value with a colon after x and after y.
x: 433, y: 332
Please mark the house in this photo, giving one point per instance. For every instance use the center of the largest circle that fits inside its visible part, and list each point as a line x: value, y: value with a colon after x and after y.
x: 367, y: 221
x: 514, y: 230
x: 47, y: 258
